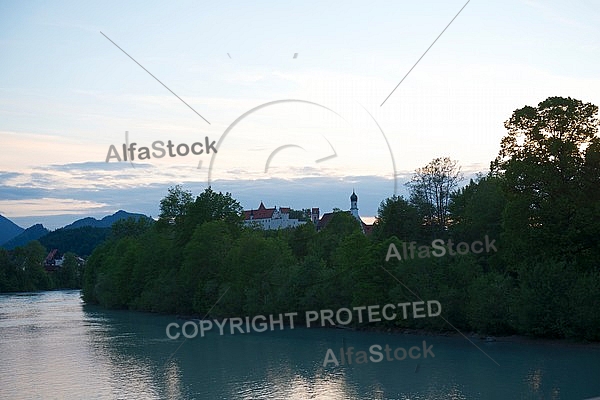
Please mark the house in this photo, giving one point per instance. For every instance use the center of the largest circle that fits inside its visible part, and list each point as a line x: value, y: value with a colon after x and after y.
x: 270, y: 218
x: 54, y: 261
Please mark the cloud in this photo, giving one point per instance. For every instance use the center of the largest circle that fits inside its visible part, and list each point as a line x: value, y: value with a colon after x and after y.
x: 8, y: 192
x: 91, y: 166
x: 107, y: 186
x: 47, y: 206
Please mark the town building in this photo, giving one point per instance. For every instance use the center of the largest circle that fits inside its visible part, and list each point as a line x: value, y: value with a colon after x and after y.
x: 55, y: 260
x: 279, y: 218
x: 271, y: 218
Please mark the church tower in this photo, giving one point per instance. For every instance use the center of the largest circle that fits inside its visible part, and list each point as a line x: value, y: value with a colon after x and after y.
x: 354, y: 205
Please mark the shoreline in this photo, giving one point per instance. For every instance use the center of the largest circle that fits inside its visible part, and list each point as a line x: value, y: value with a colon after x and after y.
x: 515, y: 338
x: 483, y: 338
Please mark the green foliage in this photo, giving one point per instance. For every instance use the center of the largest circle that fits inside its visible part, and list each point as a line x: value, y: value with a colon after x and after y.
x: 81, y: 241
x: 130, y: 227
x: 477, y: 209
x: 21, y: 269
x: 489, y: 308
x: 70, y: 274
x: 431, y: 189
x: 208, y: 206
x: 547, y: 163
x: 174, y: 206
x: 542, y: 299
x: 398, y: 217
x: 341, y: 225
x: 301, y: 215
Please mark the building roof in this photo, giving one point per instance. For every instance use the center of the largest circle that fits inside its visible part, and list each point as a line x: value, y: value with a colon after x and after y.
x: 264, y: 213
x: 51, y: 255
x: 326, y: 218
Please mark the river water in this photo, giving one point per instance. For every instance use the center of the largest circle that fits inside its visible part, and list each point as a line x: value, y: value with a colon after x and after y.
x: 52, y: 346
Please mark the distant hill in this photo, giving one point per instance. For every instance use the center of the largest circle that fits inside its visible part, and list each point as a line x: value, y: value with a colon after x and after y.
x: 8, y: 229
x: 81, y: 241
x: 80, y: 237
x: 105, y: 222
x: 32, y: 233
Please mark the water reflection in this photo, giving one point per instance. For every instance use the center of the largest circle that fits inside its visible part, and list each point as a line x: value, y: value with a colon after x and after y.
x: 52, y: 346
x: 128, y: 371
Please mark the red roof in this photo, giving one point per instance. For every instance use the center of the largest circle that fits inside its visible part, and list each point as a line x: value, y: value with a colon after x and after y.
x: 263, y: 213
x: 326, y: 218
x: 51, y: 255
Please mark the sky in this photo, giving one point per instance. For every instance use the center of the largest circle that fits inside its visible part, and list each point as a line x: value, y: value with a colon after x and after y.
x: 294, y: 95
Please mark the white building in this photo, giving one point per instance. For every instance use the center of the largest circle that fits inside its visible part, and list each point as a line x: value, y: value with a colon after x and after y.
x: 270, y: 218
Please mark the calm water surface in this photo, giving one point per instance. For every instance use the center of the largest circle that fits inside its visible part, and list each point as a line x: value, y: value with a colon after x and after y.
x: 52, y: 346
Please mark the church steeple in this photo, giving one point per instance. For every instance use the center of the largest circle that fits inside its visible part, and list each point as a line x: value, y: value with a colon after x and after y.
x: 354, y: 204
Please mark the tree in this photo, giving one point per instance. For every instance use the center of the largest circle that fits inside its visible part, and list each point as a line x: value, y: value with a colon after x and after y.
x: 175, y: 205
x: 204, y: 259
x: 209, y: 206
x: 9, y: 280
x: 397, y: 217
x: 301, y: 215
x: 300, y: 237
x: 81, y: 241
x: 130, y: 227
x: 28, y: 259
x: 69, y: 275
x: 340, y: 225
x: 556, y: 133
x: 549, y: 162
x: 476, y: 210
x: 431, y: 188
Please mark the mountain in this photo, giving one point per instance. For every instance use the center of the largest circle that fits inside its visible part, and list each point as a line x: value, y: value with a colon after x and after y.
x: 105, y: 222
x: 32, y: 233
x: 8, y: 229
x: 80, y: 237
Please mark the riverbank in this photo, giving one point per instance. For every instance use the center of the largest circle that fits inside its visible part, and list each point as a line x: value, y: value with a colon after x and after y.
x: 472, y: 336
x: 517, y: 339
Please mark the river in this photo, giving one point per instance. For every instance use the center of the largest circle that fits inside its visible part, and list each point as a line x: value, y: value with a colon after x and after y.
x: 53, y: 346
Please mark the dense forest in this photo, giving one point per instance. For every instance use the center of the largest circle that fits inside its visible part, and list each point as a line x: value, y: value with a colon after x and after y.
x: 81, y: 241
x: 539, y: 205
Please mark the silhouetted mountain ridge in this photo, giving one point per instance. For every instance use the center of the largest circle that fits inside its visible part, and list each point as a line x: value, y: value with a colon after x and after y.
x: 105, y: 222
x: 80, y: 237
x: 8, y: 229
x: 32, y: 233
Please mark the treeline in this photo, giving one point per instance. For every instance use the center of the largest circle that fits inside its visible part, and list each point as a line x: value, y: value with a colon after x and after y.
x: 21, y: 270
x: 540, y: 204
x: 81, y: 241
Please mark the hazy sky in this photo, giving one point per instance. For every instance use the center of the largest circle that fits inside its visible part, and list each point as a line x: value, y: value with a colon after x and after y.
x: 67, y: 93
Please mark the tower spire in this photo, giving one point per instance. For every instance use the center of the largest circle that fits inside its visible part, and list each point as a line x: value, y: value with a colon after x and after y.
x: 354, y: 204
